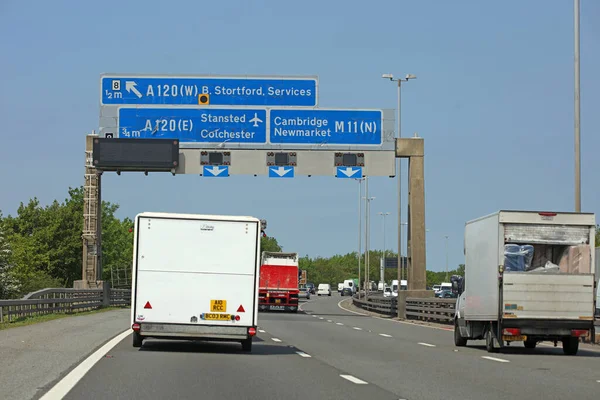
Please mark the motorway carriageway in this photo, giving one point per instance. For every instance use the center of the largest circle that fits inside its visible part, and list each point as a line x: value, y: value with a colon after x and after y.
x: 328, y: 352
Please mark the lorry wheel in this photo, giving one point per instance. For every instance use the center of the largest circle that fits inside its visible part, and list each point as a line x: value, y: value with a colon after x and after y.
x: 247, y: 345
x: 137, y: 340
x: 458, y: 339
x: 571, y: 346
x: 489, y: 341
x: 530, y: 344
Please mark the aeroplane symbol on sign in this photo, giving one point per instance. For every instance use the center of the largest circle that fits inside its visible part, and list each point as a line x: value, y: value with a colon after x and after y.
x: 256, y: 120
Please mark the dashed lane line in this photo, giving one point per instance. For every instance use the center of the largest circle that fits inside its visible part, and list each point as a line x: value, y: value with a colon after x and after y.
x: 495, y: 359
x: 354, y: 379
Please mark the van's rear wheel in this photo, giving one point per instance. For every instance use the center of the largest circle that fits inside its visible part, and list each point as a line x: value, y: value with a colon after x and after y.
x: 137, y: 339
x: 247, y: 345
x: 489, y: 341
x: 570, y: 346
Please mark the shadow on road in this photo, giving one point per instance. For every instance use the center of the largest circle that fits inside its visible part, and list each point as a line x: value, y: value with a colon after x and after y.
x: 538, y: 351
x: 259, y: 347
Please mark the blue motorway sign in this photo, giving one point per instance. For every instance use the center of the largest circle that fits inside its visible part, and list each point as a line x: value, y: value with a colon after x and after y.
x: 201, y: 125
x: 349, y: 172
x: 322, y: 126
x: 215, y: 171
x: 208, y: 90
x: 281, y: 172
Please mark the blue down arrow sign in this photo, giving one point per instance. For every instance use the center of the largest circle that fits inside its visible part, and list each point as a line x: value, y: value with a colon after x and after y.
x: 281, y: 172
x: 349, y: 172
x: 215, y: 171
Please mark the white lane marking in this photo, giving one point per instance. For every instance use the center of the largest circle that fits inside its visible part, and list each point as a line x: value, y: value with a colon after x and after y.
x: 67, y: 383
x: 301, y: 354
x: 303, y: 304
x: 320, y: 317
x: 354, y: 379
x: 357, y: 328
x: 339, y: 323
x: 329, y: 320
x: 315, y: 316
x: 426, y: 344
x: 353, y: 312
x: 385, y: 335
x: 275, y: 339
x: 261, y: 330
x: 495, y: 359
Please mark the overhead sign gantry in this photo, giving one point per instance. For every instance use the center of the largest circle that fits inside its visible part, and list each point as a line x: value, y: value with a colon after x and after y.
x: 216, y: 126
x: 221, y: 117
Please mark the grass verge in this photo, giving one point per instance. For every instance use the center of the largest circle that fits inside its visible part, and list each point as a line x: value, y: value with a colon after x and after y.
x: 35, y: 319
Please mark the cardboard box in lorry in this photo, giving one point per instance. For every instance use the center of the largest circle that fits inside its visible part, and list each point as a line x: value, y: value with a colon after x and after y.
x: 195, y: 277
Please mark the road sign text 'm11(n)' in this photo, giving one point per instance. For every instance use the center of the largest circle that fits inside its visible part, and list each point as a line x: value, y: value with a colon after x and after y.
x: 208, y: 90
x: 194, y: 125
x: 324, y: 126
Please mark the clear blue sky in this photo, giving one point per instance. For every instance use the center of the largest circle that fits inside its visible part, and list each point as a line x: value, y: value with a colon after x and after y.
x: 493, y: 100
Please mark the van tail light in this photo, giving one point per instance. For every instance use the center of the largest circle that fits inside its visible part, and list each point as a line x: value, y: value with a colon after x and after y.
x: 251, y: 331
x: 136, y: 327
x: 579, y: 332
x: 237, y: 317
x: 511, y: 331
x: 547, y: 214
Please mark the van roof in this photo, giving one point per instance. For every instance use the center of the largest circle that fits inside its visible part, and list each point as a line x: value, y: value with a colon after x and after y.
x: 239, y: 218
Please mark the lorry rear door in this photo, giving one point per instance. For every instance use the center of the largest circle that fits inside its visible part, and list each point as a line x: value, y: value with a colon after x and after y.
x: 549, y: 271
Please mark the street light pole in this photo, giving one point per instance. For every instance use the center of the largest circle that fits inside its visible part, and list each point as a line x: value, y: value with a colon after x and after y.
x: 446, y: 257
x: 382, y: 271
x: 399, y: 134
x: 359, y: 231
x: 577, y: 112
x: 367, y: 233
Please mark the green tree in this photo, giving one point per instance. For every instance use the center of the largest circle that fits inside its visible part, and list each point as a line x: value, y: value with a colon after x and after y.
x: 9, y: 285
x: 46, y: 244
x: 269, y: 243
x: 597, y: 235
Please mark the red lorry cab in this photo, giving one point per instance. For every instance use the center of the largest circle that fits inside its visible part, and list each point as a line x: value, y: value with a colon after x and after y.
x: 278, y: 286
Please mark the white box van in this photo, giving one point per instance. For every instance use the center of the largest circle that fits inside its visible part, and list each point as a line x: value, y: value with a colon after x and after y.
x: 195, y: 277
x: 529, y: 277
x: 324, y: 289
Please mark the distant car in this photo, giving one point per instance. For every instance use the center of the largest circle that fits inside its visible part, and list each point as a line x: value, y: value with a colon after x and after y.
x: 311, y: 288
x: 347, y: 291
x: 446, y: 294
x: 304, y: 293
x: 324, y: 289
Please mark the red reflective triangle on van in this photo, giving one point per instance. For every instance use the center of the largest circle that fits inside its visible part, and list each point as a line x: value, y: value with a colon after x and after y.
x: 148, y: 305
x: 241, y: 309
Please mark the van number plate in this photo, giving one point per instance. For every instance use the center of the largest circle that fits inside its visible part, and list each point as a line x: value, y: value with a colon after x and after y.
x: 520, y: 338
x: 218, y: 305
x: 217, y: 317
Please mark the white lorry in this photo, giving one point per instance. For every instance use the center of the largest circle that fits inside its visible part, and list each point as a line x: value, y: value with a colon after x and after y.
x: 195, y: 277
x: 529, y: 277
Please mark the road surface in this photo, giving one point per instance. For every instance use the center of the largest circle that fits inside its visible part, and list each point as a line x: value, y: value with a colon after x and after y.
x: 36, y: 356
x: 327, y: 352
